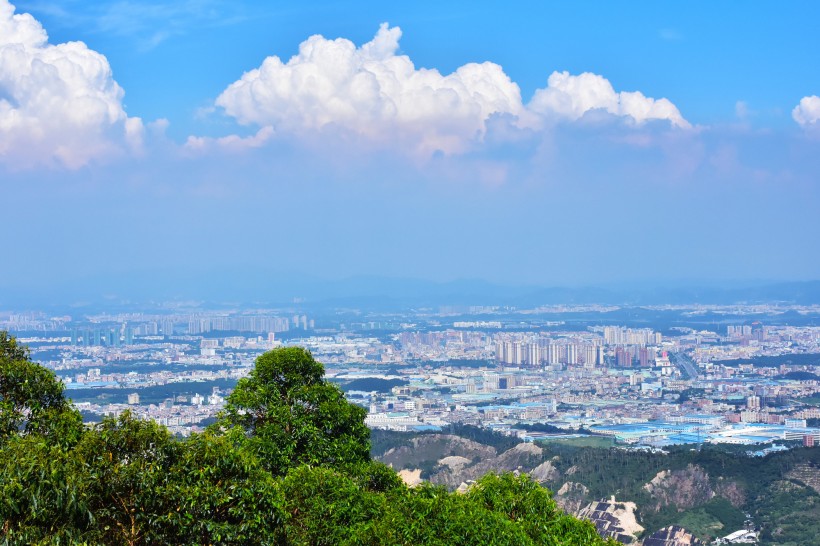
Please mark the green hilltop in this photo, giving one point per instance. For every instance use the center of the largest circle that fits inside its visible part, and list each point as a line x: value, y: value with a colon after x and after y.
x: 287, y: 462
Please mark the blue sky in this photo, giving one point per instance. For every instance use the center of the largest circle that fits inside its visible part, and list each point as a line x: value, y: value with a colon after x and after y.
x: 545, y: 143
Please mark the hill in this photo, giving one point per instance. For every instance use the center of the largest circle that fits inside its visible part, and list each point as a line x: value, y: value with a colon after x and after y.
x: 708, y: 492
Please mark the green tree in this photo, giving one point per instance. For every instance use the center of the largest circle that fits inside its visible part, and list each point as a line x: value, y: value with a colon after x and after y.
x: 292, y: 416
x: 216, y: 494
x: 42, y: 493
x: 31, y: 398
x: 430, y: 515
x: 10, y: 349
x: 532, y: 508
x: 326, y: 507
x: 127, y: 462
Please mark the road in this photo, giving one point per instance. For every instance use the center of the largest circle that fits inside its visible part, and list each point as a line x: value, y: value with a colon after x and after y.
x: 686, y: 365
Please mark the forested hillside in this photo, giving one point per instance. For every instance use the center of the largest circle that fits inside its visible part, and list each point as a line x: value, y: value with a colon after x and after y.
x: 288, y: 462
x: 708, y: 491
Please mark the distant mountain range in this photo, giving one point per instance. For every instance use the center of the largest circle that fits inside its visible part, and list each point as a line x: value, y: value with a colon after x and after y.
x: 261, y: 288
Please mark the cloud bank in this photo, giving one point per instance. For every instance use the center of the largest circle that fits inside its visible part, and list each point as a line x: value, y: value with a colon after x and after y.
x: 808, y: 111
x: 571, y: 97
x: 58, y: 103
x: 374, y: 92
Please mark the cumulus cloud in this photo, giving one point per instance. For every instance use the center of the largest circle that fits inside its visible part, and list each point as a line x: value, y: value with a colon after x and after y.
x: 58, y: 103
x: 808, y: 111
x: 370, y: 90
x: 373, y: 91
x: 571, y: 97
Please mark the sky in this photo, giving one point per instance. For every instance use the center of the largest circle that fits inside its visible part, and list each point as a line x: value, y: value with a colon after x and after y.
x: 544, y: 143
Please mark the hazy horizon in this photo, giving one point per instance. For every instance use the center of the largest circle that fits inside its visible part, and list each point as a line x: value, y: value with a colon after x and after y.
x: 140, y: 288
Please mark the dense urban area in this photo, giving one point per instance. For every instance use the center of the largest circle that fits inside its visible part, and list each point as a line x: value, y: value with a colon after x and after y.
x: 735, y: 374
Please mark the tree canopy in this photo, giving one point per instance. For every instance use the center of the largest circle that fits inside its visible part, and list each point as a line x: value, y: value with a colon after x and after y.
x: 292, y: 416
x: 31, y: 397
x: 287, y: 463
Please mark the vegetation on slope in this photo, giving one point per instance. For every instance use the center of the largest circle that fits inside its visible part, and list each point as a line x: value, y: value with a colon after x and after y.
x: 708, y: 490
x: 288, y: 462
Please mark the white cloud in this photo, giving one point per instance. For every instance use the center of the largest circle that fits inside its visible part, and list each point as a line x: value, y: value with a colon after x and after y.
x: 58, y: 103
x: 808, y: 111
x: 373, y: 92
x: 230, y: 142
x: 571, y: 97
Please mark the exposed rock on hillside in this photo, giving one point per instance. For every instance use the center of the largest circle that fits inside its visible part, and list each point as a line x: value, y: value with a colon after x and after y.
x: 455, y: 462
x: 572, y: 496
x: 731, y: 491
x: 672, y: 536
x: 434, y: 447
x: 453, y: 470
x: 544, y: 472
x: 411, y: 477
x: 683, y: 489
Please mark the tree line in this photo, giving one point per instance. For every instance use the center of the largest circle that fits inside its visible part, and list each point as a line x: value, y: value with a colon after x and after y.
x: 287, y: 462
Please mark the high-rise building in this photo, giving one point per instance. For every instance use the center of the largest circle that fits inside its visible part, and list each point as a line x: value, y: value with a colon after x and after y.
x: 590, y: 356
x: 500, y: 351
x: 643, y: 357
x: 553, y: 354
x: 167, y: 328
x: 623, y: 359
x: 517, y: 353
x: 533, y: 354
x: 572, y: 354
x: 614, y: 335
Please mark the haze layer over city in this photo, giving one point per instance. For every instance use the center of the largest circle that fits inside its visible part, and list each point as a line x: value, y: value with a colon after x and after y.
x: 587, y: 224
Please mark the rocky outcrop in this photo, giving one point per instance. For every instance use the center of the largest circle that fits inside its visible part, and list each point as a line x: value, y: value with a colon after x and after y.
x: 544, y: 472
x: 683, y: 489
x: 455, y: 462
x: 571, y: 497
x: 613, y: 519
x: 731, y: 491
x: 521, y: 458
x: 410, y: 477
x: 672, y: 536
x: 434, y: 447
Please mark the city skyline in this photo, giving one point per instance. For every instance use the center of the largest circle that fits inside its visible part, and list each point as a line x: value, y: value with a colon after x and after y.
x: 538, y: 145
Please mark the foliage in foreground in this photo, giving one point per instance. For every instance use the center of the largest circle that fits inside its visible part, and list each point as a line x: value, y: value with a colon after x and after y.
x: 287, y: 463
